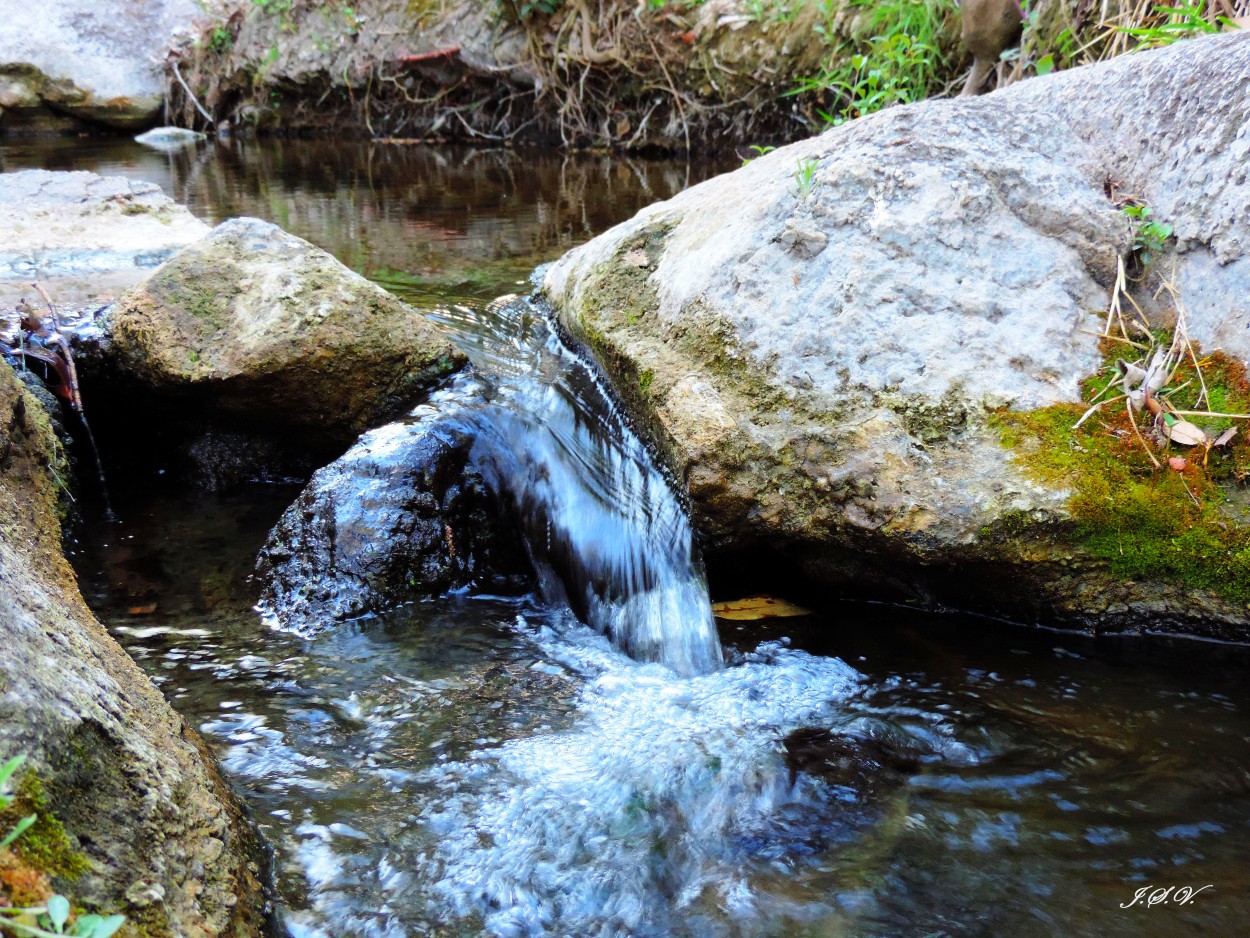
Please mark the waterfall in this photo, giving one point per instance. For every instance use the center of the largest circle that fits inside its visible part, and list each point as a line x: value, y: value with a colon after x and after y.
x: 606, y: 531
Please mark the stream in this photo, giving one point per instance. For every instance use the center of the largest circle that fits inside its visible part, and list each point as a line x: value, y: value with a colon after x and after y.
x: 469, y: 765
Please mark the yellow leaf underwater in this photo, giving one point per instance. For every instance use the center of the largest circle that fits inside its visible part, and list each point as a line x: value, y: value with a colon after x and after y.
x: 757, y: 607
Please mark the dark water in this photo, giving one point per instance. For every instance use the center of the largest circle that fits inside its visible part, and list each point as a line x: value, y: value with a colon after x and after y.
x: 467, y: 763
x: 473, y: 764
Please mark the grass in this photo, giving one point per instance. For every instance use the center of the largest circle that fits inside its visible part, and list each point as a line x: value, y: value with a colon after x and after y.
x: 805, y: 177
x: 910, y: 50
x: 903, y: 60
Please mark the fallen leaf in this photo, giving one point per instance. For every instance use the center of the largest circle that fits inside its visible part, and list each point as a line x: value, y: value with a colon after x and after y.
x: 1178, y: 463
x: 1224, y: 438
x: 757, y: 607
x: 145, y: 610
x: 1186, y: 434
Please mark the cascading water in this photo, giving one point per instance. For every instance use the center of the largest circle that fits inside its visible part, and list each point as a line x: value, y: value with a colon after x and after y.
x: 606, y: 531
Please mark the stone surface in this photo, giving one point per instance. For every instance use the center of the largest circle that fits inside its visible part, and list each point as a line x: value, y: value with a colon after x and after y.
x: 404, y: 513
x: 170, y: 138
x: 84, y: 235
x: 261, y: 327
x: 819, y: 363
x: 132, y: 783
x: 95, y: 60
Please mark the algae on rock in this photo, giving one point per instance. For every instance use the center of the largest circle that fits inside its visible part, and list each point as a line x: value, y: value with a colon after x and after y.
x: 259, y: 326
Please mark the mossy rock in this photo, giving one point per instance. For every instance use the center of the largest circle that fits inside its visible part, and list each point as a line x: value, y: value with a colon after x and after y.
x: 254, y: 323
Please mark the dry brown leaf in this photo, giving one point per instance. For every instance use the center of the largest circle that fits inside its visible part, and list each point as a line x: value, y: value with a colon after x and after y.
x: 1185, y: 433
x: 1224, y: 438
x: 757, y: 607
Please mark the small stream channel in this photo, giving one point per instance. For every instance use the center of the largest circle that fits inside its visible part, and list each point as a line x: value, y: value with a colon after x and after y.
x: 469, y: 764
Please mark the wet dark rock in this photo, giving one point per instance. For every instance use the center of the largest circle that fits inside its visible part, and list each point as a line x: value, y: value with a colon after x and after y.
x: 139, y: 796
x: 218, y: 460
x: 404, y: 513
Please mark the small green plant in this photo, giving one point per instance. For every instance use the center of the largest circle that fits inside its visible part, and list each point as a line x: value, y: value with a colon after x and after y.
x: 899, y: 64
x: 6, y: 800
x: 220, y: 39
x: 772, y: 11
x: 1183, y: 22
x: 52, y: 919
x: 805, y: 176
x: 1149, y: 236
x: 759, y: 151
x: 351, y: 21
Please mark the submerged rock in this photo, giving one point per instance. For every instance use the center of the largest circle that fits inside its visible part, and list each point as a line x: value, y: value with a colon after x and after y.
x: 83, y: 235
x: 822, y: 341
x: 169, y: 138
x: 405, y: 512
x: 150, y: 827
x: 261, y: 328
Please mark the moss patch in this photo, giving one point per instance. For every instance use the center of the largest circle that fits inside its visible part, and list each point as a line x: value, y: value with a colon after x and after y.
x: 1143, y: 522
x: 44, y: 846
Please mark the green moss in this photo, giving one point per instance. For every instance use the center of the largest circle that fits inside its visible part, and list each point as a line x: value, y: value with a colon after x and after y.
x: 1144, y: 522
x: 645, y: 377
x: 44, y: 846
x: 146, y: 922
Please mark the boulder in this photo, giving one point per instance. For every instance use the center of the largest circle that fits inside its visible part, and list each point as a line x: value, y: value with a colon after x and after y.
x: 85, y: 235
x: 259, y: 328
x: 826, y: 343
x: 92, y: 60
x: 134, y: 816
x: 403, y: 514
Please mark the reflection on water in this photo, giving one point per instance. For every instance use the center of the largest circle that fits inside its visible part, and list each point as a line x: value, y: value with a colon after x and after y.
x: 430, y: 223
x: 464, y: 764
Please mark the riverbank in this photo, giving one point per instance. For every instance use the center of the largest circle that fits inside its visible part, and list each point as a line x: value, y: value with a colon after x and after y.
x: 667, y: 74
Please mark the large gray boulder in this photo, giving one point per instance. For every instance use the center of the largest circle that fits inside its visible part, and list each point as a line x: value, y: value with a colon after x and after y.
x: 259, y: 328
x: 134, y: 815
x: 93, y: 60
x: 822, y: 343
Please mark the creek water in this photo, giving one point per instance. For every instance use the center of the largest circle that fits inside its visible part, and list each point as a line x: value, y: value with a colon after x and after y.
x: 606, y: 531
x: 469, y: 765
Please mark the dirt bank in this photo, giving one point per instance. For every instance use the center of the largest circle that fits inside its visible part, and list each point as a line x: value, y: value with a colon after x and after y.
x: 659, y: 73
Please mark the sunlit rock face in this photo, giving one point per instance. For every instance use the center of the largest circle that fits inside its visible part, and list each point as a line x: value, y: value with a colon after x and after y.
x: 820, y: 340
x: 255, y: 324
x: 97, y: 61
